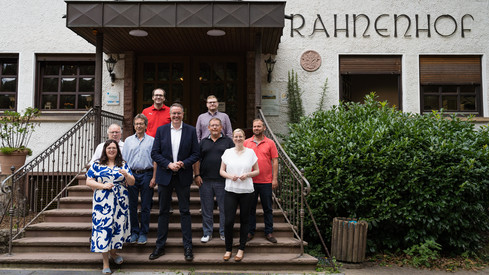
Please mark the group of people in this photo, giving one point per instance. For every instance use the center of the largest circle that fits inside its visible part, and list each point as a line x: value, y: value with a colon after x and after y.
x: 171, y: 154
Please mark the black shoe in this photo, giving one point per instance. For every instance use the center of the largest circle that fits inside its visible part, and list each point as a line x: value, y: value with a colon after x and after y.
x: 189, y: 256
x: 271, y: 238
x: 159, y: 251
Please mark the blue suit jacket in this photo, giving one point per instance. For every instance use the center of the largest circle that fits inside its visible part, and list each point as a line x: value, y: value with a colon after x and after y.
x: 188, y: 152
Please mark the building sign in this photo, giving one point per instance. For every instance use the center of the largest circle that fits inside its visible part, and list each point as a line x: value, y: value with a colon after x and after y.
x: 269, y: 103
x: 384, y: 25
x: 112, y: 98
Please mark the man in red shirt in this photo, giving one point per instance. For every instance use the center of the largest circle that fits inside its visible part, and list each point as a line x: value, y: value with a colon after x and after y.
x: 266, y: 151
x: 158, y: 114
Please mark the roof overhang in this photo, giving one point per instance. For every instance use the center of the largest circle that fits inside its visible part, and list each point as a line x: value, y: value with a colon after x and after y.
x: 179, y: 26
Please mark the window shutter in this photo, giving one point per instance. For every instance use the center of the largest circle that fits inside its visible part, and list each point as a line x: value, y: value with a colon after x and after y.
x: 453, y: 70
x: 370, y: 64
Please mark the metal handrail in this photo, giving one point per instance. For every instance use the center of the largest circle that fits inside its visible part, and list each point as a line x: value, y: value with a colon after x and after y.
x: 40, y: 184
x: 291, y: 195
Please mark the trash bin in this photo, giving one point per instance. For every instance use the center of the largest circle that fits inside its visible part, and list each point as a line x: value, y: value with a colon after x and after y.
x: 349, y: 240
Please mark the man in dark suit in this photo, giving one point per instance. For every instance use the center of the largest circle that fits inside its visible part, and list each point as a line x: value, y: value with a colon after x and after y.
x: 175, y: 150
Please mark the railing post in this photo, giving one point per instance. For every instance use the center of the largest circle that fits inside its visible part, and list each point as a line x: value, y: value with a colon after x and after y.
x: 11, y: 213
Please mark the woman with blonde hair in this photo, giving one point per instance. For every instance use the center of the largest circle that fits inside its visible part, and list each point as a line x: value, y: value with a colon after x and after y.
x: 238, y: 166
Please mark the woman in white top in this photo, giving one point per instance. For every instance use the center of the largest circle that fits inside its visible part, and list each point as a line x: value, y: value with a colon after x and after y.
x: 238, y: 166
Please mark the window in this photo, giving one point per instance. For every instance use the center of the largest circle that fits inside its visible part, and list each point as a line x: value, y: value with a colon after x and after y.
x: 66, y: 85
x: 451, y: 83
x: 8, y: 83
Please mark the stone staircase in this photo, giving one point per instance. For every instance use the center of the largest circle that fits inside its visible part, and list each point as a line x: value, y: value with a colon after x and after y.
x: 62, y: 241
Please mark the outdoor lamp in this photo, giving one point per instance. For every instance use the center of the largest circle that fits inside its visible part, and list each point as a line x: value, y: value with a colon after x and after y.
x: 110, y: 67
x: 270, y: 63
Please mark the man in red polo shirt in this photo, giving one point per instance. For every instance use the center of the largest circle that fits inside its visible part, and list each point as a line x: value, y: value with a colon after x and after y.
x: 158, y: 114
x: 267, y: 154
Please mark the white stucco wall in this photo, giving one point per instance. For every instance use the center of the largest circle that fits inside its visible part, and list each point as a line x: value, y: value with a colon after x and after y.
x: 330, y: 48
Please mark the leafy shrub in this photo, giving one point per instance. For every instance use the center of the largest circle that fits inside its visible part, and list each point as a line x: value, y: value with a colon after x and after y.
x: 423, y: 254
x: 413, y: 177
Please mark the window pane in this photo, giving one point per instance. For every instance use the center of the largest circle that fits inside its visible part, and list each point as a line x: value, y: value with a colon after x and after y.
x: 148, y: 91
x: 51, y: 69
x: 49, y: 102
x: 67, y: 102
x: 205, y: 72
x: 467, y: 103
x: 449, y: 89
x: 87, y: 84
x: 68, y: 85
x: 85, y: 101
x: 87, y: 69
x: 149, y: 72
x: 177, y: 72
x: 7, y: 101
x: 50, y: 85
x: 163, y: 71
x: 219, y: 71
x: 9, y: 69
x: 467, y: 89
x: 68, y: 69
x: 430, y: 89
x: 231, y: 71
x: 231, y: 92
x: 177, y: 93
x: 449, y: 103
x: 431, y: 103
x: 8, y: 84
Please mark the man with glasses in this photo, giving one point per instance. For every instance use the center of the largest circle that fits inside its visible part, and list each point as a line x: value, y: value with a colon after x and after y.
x: 212, y: 112
x: 137, y: 154
x: 113, y: 132
x: 158, y: 114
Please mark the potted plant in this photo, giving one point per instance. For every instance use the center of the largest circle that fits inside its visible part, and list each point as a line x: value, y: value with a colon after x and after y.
x: 15, y: 132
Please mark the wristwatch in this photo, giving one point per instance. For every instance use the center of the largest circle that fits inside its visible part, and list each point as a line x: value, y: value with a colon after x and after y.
x: 196, y: 176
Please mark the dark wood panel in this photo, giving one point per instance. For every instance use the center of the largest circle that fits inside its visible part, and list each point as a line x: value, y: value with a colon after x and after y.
x: 374, y: 64
x: 450, y: 69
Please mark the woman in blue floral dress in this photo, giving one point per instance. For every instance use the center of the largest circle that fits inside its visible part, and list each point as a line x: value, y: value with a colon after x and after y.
x: 109, y: 177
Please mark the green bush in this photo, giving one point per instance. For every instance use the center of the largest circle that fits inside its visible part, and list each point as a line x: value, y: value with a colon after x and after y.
x: 413, y: 177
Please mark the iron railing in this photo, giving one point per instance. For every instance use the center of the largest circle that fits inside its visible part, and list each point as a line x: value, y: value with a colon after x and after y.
x: 291, y: 195
x: 42, y: 182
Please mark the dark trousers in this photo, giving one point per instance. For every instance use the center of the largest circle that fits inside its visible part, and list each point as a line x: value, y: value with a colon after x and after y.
x: 264, y: 190
x: 164, y: 195
x: 207, y: 191
x: 231, y: 202
x: 140, y: 186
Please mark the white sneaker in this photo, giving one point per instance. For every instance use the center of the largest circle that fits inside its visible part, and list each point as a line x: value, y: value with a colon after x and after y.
x: 223, y: 238
x: 206, y: 238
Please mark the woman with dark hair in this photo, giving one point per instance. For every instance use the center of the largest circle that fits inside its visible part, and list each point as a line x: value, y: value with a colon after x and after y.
x: 109, y: 177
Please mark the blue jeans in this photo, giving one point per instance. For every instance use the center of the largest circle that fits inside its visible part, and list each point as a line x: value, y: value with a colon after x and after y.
x: 140, y: 186
x: 264, y: 190
x: 207, y: 191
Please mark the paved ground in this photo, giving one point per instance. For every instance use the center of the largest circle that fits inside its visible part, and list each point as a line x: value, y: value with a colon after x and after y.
x: 371, y: 270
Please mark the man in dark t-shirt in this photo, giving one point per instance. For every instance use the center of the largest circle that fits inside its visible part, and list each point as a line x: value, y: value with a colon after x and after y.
x: 209, y: 180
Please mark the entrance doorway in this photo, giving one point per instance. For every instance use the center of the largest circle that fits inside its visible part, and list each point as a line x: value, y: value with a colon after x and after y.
x: 189, y: 80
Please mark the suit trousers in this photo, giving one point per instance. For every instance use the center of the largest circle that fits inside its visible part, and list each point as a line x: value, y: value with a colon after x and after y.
x: 183, y: 195
x: 231, y: 202
x: 140, y: 186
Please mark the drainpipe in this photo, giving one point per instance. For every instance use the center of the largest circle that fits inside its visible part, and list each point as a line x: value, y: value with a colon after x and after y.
x: 97, y: 102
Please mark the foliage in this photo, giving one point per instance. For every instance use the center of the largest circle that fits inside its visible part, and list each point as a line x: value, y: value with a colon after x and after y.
x: 323, y: 96
x: 413, y: 177
x: 16, y: 129
x: 423, y: 254
x: 294, y: 100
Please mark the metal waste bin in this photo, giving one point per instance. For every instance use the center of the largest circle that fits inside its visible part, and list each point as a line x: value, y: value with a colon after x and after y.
x: 349, y: 240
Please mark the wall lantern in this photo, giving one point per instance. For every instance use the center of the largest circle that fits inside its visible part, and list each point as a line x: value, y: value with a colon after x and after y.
x: 110, y: 67
x: 270, y: 64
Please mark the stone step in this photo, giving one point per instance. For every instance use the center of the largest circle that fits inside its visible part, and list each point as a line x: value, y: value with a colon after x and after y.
x: 169, y: 262
x: 174, y: 245
x: 83, y: 229
x: 86, y: 202
x: 85, y: 191
x: 85, y: 215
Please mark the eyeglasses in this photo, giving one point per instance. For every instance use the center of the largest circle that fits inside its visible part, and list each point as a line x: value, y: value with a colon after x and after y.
x: 159, y: 96
x: 114, y: 133
x: 139, y: 124
x: 212, y: 102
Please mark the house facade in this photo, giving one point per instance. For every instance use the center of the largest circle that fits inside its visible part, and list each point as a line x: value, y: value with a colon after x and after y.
x: 420, y: 56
